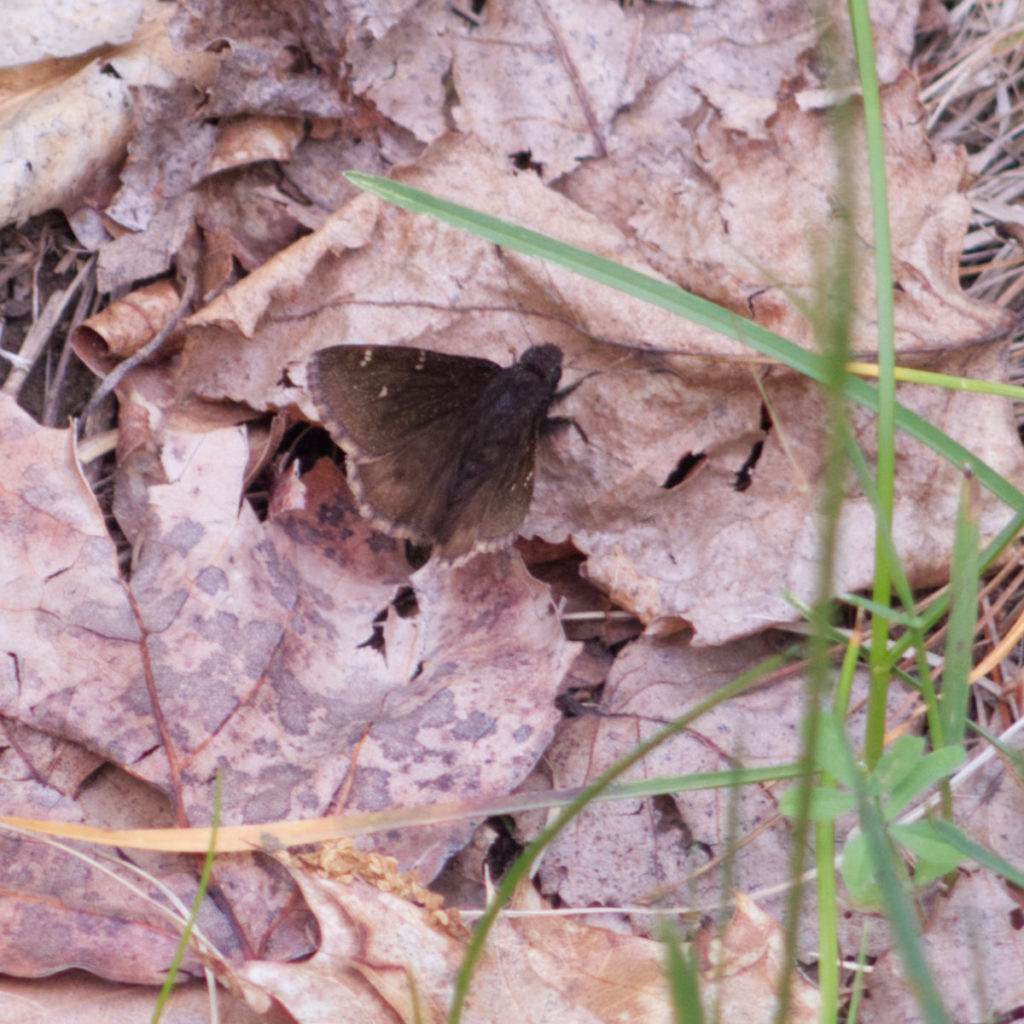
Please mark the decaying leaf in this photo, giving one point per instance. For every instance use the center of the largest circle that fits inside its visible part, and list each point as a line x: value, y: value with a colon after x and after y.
x: 745, y: 967
x: 645, y: 414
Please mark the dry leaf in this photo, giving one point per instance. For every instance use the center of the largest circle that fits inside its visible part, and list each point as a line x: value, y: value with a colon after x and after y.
x: 643, y: 416
x: 745, y: 971
x: 294, y: 652
x: 379, y: 953
x: 972, y: 945
x: 242, y: 647
x: 66, y: 124
x: 679, y: 850
x: 88, y: 1000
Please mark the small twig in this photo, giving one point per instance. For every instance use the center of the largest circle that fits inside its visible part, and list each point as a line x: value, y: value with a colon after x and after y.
x: 42, y: 328
x: 575, y: 79
x: 56, y: 386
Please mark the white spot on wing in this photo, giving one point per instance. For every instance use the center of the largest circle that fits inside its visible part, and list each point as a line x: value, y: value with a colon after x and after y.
x: 367, y: 357
x: 383, y: 393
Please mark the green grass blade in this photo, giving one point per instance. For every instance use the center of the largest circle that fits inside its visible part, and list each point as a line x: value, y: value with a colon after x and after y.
x: 186, y: 935
x: 858, y: 979
x: 963, y: 618
x: 976, y: 852
x: 928, y: 378
x: 860, y: 21
x: 899, y: 911
x: 683, y: 979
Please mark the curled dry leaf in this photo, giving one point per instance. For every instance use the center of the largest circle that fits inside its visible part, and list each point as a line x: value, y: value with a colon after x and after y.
x: 379, y: 953
x: 125, y: 326
x: 53, y: 29
x: 65, y: 128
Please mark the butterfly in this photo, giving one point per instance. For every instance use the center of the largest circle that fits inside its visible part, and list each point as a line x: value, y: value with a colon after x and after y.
x: 440, y: 448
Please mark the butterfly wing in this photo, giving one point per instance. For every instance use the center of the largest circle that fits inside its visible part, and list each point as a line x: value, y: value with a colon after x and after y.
x: 372, y: 398
x: 489, y: 496
x: 402, y: 415
x: 487, y: 517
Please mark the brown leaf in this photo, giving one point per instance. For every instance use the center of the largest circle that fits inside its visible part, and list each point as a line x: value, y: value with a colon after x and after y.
x: 294, y: 652
x: 745, y: 971
x: 644, y: 416
x: 241, y: 648
x: 380, y: 951
x: 125, y: 326
x: 680, y: 850
x: 973, y: 947
x: 66, y: 123
x: 88, y: 1000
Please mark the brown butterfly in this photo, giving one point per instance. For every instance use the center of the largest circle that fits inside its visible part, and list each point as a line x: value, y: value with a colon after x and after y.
x: 440, y: 448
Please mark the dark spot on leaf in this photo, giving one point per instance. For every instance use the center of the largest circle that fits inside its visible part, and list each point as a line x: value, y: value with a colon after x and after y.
x: 212, y: 579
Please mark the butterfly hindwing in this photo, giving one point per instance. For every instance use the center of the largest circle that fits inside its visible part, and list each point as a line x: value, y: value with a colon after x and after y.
x: 489, y: 516
x: 489, y: 496
x: 404, y: 491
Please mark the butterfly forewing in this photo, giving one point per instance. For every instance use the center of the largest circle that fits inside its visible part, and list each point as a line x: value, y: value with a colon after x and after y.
x: 372, y: 398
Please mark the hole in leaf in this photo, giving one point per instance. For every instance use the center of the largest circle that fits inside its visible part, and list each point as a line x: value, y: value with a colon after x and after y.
x: 405, y: 603
x: 745, y: 474
x: 417, y: 555
x: 523, y: 161
x: 684, y: 467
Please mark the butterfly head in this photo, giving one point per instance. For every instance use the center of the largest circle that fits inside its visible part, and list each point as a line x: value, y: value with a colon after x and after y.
x: 545, y: 361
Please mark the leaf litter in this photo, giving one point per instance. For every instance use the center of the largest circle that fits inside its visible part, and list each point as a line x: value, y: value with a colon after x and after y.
x: 271, y: 647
